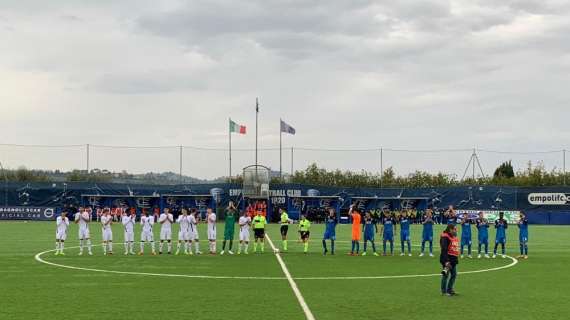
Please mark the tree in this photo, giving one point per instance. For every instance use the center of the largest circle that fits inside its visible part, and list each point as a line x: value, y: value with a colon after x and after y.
x: 505, y: 170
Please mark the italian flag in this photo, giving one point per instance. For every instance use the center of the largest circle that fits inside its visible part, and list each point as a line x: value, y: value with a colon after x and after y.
x: 234, y: 127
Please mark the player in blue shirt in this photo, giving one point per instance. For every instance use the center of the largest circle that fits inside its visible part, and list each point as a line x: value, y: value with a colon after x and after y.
x: 369, y: 227
x: 523, y: 235
x: 388, y: 231
x: 483, y: 235
x: 501, y: 226
x: 427, y: 233
x: 466, y: 235
x: 451, y: 215
x: 405, y: 233
x: 330, y: 230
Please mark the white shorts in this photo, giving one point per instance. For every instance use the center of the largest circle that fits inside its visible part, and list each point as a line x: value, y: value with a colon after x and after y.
x: 129, y: 236
x: 193, y: 235
x: 244, y: 236
x: 183, y: 235
x: 147, y: 236
x: 61, y: 235
x: 211, y: 234
x: 165, y: 234
x: 84, y: 234
x: 107, y: 235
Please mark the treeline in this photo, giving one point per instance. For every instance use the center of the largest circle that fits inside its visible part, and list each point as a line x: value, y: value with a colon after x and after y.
x: 23, y: 174
x: 531, y: 176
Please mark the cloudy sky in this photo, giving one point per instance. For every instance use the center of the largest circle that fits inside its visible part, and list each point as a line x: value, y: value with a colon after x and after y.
x: 346, y: 74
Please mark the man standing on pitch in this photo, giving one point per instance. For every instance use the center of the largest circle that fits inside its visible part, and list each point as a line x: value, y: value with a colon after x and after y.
x: 62, y: 223
x: 523, y: 235
x: 211, y: 220
x: 284, y: 222
x: 82, y: 218
x: 304, y: 232
x: 370, y: 228
x: 427, y: 233
x: 259, y: 223
x: 449, y: 259
x: 166, y: 220
x: 330, y: 231
x: 501, y: 226
x: 128, y: 221
x: 244, y: 224
x: 229, y: 227
x: 405, y: 233
x: 354, y: 214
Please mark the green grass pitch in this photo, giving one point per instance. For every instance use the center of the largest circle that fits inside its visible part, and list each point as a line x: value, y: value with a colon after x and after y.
x: 537, y: 288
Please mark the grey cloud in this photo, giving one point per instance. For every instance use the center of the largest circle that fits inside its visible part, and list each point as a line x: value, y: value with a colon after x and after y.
x: 407, y: 74
x: 151, y: 82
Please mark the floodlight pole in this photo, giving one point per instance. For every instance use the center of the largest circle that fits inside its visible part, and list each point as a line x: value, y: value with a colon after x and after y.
x: 291, y: 161
x: 381, y: 167
x: 5, y: 184
x: 474, y: 157
x: 180, y: 172
x: 87, y: 162
x: 230, y: 136
x: 564, y: 166
x: 280, y: 150
x: 256, y: 126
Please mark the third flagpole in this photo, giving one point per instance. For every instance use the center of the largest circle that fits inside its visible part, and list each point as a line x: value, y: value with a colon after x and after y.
x: 280, y: 151
x: 256, y: 120
x: 230, y: 136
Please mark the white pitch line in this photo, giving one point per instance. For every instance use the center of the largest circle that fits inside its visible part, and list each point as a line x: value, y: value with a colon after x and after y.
x: 512, y: 264
x: 308, y: 314
x: 39, y: 259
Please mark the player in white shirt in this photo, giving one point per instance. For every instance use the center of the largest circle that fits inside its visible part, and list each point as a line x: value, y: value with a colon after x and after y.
x: 83, y: 218
x: 62, y: 223
x: 194, y: 236
x: 128, y: 222
x: 166, y: 219
x: 244, y: 225
x: 183, y: 232
x: 106, y: 221
x: 211, y: 219
x: 146, y: 234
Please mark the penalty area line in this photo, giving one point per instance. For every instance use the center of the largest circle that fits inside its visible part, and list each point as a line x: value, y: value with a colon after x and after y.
x: 308, y: 314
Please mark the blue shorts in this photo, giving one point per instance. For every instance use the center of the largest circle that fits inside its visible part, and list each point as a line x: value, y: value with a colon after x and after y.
x: 484, y: 240
x: 404, y: 236
x: 523, y: 237
x: 329, y: 236
x: 427, y: 237
x: 466, y: 242
x: 501, y: 240
x: 388, y: 237
x: 368, y: 237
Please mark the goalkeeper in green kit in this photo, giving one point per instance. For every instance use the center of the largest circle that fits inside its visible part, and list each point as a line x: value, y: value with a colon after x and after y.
x: 229, y: 228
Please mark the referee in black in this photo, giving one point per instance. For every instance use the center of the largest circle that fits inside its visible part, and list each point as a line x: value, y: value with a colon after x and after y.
x: 449, y: 259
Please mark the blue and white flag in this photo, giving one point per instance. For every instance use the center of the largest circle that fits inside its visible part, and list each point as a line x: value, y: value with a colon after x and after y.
x: 287, y: 128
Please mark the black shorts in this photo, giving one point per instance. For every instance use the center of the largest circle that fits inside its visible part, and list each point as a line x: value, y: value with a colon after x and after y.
x: 452, y: 259
x: 259, y: 233
x: 305, y: 235
x: 284, y: 229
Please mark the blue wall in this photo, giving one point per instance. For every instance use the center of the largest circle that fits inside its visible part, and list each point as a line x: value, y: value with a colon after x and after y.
x: 59, y: 195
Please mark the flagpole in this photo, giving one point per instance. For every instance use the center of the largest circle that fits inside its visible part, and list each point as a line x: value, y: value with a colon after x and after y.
x: 280, y: 150
x: 230, y: 138
x: 256, y: 120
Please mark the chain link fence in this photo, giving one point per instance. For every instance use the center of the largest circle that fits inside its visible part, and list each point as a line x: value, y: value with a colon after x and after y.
x: 211, y: 163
